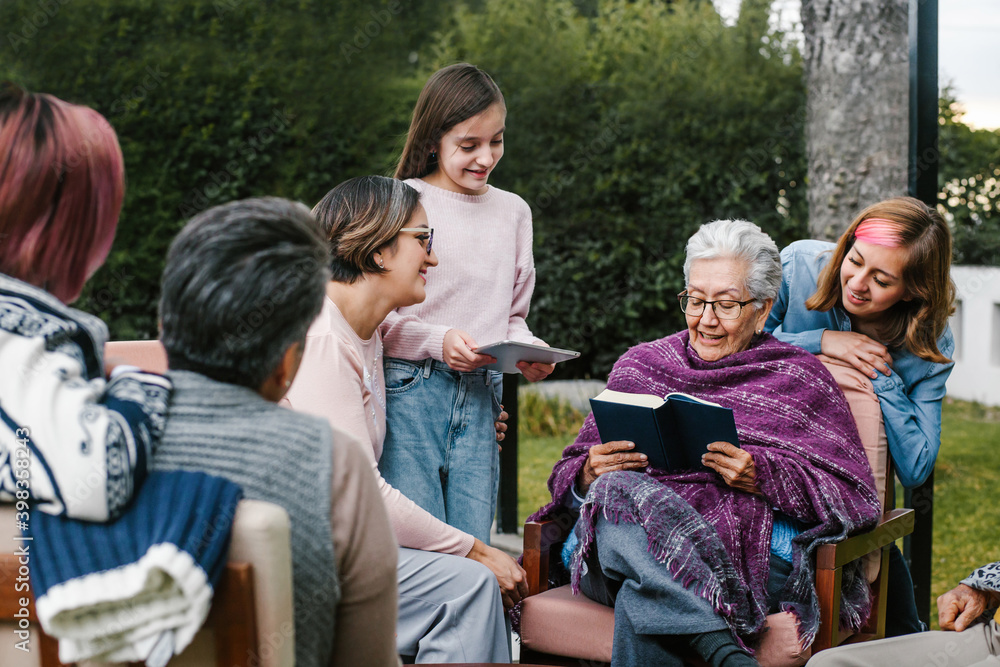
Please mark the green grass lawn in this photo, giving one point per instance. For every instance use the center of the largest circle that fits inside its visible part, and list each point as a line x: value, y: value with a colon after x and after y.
x: 966, y: 492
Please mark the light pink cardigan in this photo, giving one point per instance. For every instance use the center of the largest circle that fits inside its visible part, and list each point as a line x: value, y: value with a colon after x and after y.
x: 341, y: 379
x: 483, y: 281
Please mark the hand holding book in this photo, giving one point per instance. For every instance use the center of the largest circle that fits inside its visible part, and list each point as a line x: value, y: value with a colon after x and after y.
x: 674, y: 431
x: 609, y: 457
x: 735, y: 465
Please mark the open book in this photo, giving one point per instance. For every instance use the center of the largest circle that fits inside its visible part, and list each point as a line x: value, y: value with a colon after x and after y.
x: 673, y: 431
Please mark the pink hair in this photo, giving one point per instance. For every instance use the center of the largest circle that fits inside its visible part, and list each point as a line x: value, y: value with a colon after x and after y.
x: 62, y: 182
x: 879, y: 231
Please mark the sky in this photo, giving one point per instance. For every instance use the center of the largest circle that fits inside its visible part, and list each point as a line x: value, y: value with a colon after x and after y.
x: 968, y: 40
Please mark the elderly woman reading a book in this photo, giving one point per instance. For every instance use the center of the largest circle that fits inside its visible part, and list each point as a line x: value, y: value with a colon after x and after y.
x: 698, y: 558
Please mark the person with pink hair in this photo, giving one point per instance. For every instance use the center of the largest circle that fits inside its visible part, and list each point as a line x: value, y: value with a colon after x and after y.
x: 874, y: 306
x: 70, y: 441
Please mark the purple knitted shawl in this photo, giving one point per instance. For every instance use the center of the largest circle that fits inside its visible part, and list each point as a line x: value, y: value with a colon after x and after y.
x: 810, y: 464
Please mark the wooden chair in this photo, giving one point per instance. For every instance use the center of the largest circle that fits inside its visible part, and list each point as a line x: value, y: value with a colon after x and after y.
x: 253, y: 601
x: 231, y: 618
x: 558, y: 628
x: 586, y: 627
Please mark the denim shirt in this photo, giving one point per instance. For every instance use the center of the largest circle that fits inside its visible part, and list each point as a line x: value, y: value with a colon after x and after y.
x: 910, y: 396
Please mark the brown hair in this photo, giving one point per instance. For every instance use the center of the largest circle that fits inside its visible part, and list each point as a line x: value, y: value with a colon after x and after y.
x: 358, y: 217
x: 920, y: 321
x: 452, y: 95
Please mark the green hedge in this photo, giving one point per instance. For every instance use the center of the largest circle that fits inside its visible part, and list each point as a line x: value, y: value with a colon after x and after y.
x: 630, y: 123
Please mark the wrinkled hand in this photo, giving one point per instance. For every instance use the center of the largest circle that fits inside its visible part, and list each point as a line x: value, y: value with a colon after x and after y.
x: 735, y: 465
x: 457, y: 352
x: 608, y: 457
x: 535, y: 371
x: 960, y: 606
x: 512, y: 578
x: 868, y: 356
x: 500, y: 425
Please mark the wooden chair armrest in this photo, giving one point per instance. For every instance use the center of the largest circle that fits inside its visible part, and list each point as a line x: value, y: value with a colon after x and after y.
x: 232, y: 614
x: 539, y: 537
x: 893, y: 525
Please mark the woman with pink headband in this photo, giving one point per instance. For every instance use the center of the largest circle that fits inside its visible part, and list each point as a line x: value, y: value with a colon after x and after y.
x: 874, y: 307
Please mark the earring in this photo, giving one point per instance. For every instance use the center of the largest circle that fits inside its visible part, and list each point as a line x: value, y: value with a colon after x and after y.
x: 288, y: 383
x: 434, y: 154
x: 381, y: 263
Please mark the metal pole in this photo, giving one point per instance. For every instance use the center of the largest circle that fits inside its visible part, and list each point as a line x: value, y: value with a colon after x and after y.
x: 507, y: 502
x: 923, y: 182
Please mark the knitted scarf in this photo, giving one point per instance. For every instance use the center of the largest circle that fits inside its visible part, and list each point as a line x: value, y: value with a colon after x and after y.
x: 809, y: 461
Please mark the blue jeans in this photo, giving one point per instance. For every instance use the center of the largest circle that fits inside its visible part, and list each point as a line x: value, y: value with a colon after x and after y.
x: 440, y: 446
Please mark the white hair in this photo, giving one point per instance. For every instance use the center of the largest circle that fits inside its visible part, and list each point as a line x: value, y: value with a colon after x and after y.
x: 742, y: 240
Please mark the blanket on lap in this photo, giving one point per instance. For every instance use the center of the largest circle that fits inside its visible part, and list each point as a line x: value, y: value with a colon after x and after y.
x: 138, y: 588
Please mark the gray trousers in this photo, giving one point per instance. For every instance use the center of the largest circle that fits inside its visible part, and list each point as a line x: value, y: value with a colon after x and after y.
x: 449, y: 610
x: 978, y: 646
x: 655, y: 615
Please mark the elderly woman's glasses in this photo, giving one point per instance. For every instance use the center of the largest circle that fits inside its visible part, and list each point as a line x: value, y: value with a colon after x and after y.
x: 724, y: 309
x: 423, y: 234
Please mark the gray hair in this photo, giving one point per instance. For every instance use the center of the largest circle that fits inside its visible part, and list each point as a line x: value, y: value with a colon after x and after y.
x: 242, y: 282
x: 741, y: 240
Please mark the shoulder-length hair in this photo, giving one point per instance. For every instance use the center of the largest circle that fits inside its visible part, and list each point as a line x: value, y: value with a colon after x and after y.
x: 919, y: 321
x: 62, y: 182
x: 452, y: 95
x: 360, y: 216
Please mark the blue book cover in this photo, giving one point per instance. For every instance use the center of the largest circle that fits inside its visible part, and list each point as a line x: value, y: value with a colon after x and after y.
x: 674, y: 431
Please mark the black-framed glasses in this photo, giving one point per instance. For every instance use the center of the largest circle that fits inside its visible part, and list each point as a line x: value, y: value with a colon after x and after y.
x: 725, y: 309
x: 423, y: 233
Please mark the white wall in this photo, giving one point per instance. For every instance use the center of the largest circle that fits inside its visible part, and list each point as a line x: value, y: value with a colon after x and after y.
x: 976, y: 326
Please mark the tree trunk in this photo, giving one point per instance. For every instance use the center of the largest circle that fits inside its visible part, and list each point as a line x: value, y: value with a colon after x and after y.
x: 857, y: 82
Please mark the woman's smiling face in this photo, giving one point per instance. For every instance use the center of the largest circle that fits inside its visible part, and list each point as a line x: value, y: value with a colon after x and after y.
x: 871, y: 280
x: 720, y: 279
x: 407, y: 262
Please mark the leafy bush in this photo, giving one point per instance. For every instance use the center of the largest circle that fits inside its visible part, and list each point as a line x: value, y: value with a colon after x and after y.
x: 218, y: 100
x: 541, y: 417
x: 631, y: 123
x: 627, y: 130
x: 969, y: 185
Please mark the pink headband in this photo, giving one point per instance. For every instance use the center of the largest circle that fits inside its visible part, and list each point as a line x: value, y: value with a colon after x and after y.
x: 880, y: 232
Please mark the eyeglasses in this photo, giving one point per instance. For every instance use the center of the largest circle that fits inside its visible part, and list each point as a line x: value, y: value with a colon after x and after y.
x: 423, y: 234
x: 724, y: 309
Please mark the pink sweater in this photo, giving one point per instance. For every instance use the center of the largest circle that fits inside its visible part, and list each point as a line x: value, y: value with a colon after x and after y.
x: 484, y: 280
x: 341, y: 379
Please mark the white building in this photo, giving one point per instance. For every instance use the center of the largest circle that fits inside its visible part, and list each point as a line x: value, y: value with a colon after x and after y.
x: 976, y: 326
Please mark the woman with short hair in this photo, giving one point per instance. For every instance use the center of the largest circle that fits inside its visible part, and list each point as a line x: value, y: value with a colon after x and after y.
x: 241, y: 286
x: 698, y: 558
x: 84, y: 441
x: 381, y: 249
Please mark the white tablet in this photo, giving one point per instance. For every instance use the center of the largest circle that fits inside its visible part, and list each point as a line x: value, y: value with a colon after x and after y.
x: 509, y: 352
